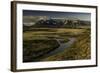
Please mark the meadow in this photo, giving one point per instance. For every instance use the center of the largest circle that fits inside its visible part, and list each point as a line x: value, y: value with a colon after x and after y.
x: 80, y: 49
x: 41, y: 44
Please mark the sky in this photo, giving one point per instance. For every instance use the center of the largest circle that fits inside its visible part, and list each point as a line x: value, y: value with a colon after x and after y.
x: 75, y: 15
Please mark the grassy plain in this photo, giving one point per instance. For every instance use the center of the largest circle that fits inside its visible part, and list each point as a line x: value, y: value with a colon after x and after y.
x: 39, y: 42
x: 80, y: 49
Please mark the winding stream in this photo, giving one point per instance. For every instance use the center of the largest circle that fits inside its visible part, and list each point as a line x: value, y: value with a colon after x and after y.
x: 62, y: 46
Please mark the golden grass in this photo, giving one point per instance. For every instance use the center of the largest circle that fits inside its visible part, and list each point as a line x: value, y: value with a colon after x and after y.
x: 79, y: 50
x: 30, y: 34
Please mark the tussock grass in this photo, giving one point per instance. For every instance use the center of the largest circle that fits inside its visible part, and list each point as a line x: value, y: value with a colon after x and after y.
x: 79, y: 50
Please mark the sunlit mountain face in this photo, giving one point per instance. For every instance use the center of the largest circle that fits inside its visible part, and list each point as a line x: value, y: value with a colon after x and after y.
x: 54, y: 19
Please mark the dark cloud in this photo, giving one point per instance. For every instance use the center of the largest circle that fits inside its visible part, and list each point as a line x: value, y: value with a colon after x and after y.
x: 78, y: 15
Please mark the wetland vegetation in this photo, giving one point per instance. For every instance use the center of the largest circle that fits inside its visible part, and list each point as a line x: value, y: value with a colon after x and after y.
x: 39, y: 44
x: 56, y: 36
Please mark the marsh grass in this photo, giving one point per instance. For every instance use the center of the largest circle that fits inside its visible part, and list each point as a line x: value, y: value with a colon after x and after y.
x: 79, y: 50
x: 40, y: 41
x: 36, y: 48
